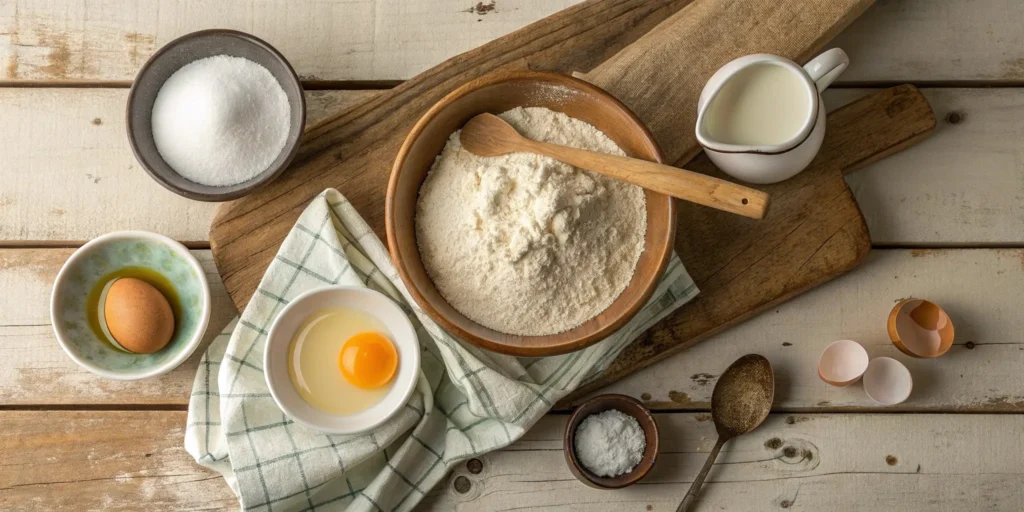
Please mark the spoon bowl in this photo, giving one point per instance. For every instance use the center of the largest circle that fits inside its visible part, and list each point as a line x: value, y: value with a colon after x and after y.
x: 740, y: 402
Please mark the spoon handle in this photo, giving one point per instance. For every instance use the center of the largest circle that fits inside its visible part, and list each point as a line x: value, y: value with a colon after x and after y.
x: 691, y: 495
x: 673, y: 181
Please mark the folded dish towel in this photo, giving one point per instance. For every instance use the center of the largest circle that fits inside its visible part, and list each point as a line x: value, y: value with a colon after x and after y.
x: 470, y: 402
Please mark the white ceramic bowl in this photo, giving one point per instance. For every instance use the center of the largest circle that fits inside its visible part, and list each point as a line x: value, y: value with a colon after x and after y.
x: 96, y: 260
x: 275, y: 357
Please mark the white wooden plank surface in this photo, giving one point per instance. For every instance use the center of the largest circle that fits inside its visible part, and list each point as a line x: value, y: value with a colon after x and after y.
x: 979, y: 288
x: 33, y: 368
x: 64, y: 178
x: 936, y: 40
x: 103, y: 460
x: 962, y: 186
x: 794, y: 462
x: 109, y: 40
x: 68, y: 173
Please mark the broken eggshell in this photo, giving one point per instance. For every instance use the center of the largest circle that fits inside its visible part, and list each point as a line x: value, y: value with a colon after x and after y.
x: 920, y: 328
x: 842, y: 363
x: 887, y: 381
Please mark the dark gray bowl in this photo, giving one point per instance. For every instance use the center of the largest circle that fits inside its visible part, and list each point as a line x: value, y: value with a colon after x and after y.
x: 192, y: 47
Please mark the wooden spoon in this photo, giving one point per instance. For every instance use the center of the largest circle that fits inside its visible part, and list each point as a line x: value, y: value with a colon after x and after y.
x: 489, y: 135
x: 740, y: 402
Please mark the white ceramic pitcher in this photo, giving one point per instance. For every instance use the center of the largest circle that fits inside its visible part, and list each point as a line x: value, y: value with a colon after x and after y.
x: 773, y: 163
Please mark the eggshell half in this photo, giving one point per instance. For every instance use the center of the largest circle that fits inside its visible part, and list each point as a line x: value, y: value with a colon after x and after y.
x: 887, y: 381
x: 920, y: 328
x: 842, y: 363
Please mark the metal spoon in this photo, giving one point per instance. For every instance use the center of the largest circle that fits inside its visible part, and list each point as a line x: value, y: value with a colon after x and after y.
x: 490, y: 135
x: 740, y: 402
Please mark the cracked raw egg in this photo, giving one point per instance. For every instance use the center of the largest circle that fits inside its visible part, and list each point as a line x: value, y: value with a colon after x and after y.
x: 342, y: 361
x: 368, y: 360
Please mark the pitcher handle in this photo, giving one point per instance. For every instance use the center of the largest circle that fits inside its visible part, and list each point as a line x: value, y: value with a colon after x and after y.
x: 826, y: 67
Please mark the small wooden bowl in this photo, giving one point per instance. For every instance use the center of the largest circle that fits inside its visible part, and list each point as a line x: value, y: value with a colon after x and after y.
x: 497, y: 93
x: 172, y: 57
x: 920, y: 328
x: 598, y: 404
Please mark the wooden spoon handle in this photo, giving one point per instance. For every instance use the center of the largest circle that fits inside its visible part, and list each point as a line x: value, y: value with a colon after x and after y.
x: 673, y: 181
x: 691, y: 495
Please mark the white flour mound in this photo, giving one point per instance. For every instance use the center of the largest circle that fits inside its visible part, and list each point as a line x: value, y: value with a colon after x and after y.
x: 524, y: 244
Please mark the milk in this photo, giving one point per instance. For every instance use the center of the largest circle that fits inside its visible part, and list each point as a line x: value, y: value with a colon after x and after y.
x: 760, y: 105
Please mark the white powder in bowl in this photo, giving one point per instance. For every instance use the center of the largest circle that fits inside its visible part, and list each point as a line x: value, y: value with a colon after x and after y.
x: 221, y: 120
x: 524, y: 244
x: 610, y: 443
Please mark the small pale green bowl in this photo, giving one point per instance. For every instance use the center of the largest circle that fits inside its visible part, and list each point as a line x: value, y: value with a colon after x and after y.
x: 112, y: 252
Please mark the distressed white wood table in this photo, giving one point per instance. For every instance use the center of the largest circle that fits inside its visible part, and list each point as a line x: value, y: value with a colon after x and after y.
x: 946, y: 218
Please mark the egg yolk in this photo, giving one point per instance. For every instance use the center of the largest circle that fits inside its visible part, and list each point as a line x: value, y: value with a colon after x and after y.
x: 368, y: 360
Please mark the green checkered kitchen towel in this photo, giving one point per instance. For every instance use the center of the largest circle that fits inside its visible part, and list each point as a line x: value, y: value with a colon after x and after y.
x: 471, y: 401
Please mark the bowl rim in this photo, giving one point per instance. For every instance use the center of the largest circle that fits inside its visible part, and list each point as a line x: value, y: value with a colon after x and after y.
x: 652, y: 447
x: 532, y: 349
x: 258, y: 181
x: 272, y: 385
x: 170, y: 364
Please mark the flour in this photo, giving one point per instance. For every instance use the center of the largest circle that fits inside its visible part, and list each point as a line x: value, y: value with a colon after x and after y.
x: 524, y: 244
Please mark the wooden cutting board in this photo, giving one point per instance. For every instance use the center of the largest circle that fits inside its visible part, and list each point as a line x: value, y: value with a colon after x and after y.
x: 741, y: 267
x: 814, y: 231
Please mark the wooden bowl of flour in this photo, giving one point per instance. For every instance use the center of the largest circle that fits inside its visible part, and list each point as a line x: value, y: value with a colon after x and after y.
x: 497, y: 93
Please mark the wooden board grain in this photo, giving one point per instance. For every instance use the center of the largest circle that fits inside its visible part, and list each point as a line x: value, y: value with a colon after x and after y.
x: 67, y: 172
x: 34, y: 371
x: 973, y: 166
x: 124, y: 460
x: 813, y: 233
x: 979, y: 287
x: 76, y: 41
x: 810, y: 463
x: 109, y: 40
x: 354, y: 152
x: 103, y: 460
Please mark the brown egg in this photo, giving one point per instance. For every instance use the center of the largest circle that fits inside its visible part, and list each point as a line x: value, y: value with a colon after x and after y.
x: 138, y: 316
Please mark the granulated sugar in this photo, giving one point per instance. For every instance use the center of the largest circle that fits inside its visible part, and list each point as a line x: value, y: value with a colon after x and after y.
x: 524, y: 244
x: 221, y: 120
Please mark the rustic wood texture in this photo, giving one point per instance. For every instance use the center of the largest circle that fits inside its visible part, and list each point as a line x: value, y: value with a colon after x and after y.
x: 75, y: 41
x: 353, y: 152
x: 109, y: 460
x: 813, y: 232
x: 124, y: 460
x: 75, y: 138
x: 109, y: 40
x: 979, y: 288
x: 961, y: 187
x: 33, y: 368
x: 44, y: 144
x: 800, y: 462
x: 662, y: 75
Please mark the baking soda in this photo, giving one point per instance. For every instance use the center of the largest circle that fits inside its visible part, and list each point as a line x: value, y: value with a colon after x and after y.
x: 610, y: 443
